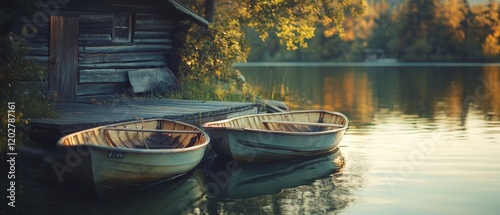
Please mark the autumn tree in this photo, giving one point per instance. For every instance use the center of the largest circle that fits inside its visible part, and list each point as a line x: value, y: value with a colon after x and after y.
x: 451, y: 33
x: 417, y: 39
x: 491, y: 45
x: 452, y: 14
x: 413, y: 30
x: 293, y: 22
x: 385, y: 30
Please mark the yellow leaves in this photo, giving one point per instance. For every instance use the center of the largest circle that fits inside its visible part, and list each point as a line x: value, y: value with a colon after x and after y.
x: 451, y: 12
x: 491, y: 45
x: 211, y: 52
x: 294, y: 22
x: 330, y: 32
x: 294, y: 32
x: 452, y: 15
x: 263, y: 36
x: 243, y: 12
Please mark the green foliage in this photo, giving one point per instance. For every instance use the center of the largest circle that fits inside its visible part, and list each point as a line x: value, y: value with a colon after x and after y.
x: 208, y: 55
x: 210, y: 90
x: 17, y: 77
x: 207, y: 59
x: 14, y: 66
x: 385, y: 30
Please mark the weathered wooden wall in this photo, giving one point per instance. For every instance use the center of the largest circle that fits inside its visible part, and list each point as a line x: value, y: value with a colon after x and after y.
x: 102, y: 63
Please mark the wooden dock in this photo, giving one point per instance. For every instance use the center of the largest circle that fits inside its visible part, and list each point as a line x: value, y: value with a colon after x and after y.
x: 78, y: 116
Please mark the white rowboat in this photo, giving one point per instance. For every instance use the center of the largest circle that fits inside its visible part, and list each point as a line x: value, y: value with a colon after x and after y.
x: 277, y: 136
x: 135, y: 153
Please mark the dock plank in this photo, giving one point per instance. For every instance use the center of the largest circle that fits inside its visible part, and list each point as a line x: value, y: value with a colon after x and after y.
x: 74, y: 117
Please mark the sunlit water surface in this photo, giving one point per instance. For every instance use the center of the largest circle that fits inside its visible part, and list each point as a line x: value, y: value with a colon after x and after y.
x: 422, y: 139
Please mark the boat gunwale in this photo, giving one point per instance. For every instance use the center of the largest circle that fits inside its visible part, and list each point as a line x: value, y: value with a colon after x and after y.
x: 136, y: 150
x: 207, y: 126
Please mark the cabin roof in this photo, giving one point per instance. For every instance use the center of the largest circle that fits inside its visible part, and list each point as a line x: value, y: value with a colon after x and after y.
x: 183, y: 9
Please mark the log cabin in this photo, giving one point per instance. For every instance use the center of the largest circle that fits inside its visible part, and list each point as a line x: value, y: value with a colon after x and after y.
x: 99, y: 48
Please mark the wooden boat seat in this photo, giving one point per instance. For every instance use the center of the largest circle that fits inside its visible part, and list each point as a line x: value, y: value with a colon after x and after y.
x: 158, y: 139
x: 298, y: 126
x: 154, y: 130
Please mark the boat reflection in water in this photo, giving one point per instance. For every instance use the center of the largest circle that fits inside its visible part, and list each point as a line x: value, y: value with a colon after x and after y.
x: 256, y: 179
x: 178, y: 196
x: 311, y: 186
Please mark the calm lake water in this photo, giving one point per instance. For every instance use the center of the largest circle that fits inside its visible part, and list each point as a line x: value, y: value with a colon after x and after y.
x: 423, y: 139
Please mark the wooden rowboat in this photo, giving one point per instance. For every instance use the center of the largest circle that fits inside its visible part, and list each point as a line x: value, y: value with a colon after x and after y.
x: 277, y: 136
x: 134, y: 153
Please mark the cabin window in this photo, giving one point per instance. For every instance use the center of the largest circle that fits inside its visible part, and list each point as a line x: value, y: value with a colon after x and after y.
x: 122, y: 27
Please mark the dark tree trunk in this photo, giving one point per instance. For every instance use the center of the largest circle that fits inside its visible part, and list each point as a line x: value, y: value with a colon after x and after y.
x: 210, y: 10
